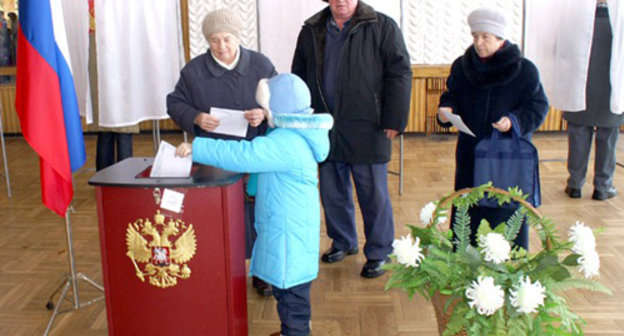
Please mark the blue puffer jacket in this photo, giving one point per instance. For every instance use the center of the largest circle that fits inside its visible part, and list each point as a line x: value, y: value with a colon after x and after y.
x: 287, y: 203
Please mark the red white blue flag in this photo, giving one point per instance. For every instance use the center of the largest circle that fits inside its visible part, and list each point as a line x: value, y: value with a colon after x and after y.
x: 46, y: 99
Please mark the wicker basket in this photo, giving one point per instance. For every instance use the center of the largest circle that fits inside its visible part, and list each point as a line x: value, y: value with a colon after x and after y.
x: 439, y: 300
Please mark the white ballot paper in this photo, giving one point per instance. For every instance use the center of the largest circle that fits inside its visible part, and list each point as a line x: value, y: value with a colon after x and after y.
x: 457, y: 122
x: 231, y: 122
x: 167, y: 164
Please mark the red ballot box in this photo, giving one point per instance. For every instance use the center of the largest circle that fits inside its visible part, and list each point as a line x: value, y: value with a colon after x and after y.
x: 171, y: 270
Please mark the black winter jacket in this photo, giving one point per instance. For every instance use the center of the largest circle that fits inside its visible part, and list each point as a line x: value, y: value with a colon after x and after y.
x: 373, y: 83
x: 483, y: 92
x: 204, y: 84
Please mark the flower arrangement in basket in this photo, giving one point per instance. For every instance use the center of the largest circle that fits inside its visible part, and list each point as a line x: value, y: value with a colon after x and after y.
x: 492, y: 288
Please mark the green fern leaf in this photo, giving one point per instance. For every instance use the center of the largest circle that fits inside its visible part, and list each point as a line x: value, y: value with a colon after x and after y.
x: 461, y: 228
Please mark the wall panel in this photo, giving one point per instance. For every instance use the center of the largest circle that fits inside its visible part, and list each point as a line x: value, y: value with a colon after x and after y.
x: 197, y: 9
x: 436, y: 32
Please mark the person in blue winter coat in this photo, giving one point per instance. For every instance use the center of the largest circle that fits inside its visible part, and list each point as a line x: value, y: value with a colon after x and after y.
x: 288, y: 213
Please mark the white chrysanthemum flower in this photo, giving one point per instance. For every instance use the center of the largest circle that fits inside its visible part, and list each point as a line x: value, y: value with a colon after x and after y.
x: 495, y: 247
x: 485, y: 295
x: 408, y: 254
x: 527, y: 296
x: 590, y: 263
x: 426, y: 213
x: 583, y: 238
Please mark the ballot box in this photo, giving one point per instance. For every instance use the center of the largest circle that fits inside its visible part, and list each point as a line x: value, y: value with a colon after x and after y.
x: 173, y: 254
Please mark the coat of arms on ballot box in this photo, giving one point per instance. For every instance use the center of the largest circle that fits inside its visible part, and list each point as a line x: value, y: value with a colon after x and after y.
x: 160, y: 251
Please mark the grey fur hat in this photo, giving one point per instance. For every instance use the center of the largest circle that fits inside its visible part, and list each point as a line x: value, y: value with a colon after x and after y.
x: 220, y: 21
x: 488, y: 20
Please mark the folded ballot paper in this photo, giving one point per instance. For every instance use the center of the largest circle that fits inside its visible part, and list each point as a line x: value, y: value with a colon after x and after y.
x: 167, y: 164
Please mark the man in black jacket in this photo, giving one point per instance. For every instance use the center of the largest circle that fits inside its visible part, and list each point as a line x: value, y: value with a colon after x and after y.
x: 356, y: 65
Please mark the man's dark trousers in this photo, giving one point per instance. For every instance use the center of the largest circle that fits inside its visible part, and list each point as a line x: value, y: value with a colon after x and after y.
x: 371, y: 185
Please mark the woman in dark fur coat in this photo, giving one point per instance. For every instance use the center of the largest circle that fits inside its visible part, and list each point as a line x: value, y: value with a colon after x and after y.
x: 489, y: 84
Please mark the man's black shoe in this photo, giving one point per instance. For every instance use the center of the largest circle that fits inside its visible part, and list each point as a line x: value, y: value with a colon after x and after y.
x: 335, y: 255
x: 372, y: 268
x: 262, y: 288
x: 603, y: 195
x: 573, y: 192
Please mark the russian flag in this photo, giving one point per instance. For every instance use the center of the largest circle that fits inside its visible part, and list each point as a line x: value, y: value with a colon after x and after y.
x: 46, y: 100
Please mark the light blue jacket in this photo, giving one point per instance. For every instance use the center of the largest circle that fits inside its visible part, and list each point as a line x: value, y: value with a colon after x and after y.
x: 288, y: 218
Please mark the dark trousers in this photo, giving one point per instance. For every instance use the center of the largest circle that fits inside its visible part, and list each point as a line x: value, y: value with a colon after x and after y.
x: 106, y: 143
x: 579, y: 147
x: 250, y: 231
x: 293, y: 308
x: 371, y: 186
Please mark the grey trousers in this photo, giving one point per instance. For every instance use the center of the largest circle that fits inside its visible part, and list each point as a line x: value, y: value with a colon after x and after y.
x: 579, y: 147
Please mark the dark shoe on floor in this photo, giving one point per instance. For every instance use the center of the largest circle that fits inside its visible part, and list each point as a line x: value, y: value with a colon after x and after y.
x: 573, y: 192
x: 262, y: 288
x: 603, y: 195
x: 335, y: 255
x: 372, y: 268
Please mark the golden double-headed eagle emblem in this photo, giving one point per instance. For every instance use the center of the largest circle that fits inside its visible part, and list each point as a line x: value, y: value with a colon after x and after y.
x: 165, y: 261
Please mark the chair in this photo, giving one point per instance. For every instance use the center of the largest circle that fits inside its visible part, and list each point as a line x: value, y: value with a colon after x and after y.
x: 400, y: 172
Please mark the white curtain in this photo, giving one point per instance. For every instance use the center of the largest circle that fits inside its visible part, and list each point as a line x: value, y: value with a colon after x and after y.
x: 616, y: 15
x: 139, y: 57
x: 76, y: 14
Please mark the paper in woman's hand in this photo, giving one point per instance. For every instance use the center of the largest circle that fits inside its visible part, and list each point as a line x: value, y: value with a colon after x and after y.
x: 231, y: 122
x: 457, y: 122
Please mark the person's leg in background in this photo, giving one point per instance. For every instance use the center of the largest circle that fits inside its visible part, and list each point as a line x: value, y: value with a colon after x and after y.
x: 604, y: 164
x: 105, y: 150
x: 579, y: 146
x: 371, y: 185
x: 124, y: 145
x: 337, y: 198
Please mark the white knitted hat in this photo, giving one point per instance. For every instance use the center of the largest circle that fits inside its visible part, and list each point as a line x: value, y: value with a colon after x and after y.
x: 222, y: 21
x: 487, y: 20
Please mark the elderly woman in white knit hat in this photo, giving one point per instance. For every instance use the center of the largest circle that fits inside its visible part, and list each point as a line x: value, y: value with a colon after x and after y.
x: 226, y: 76
x: 491, y: 87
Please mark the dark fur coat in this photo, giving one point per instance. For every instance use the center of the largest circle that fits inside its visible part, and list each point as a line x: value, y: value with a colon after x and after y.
x: 483, y: 91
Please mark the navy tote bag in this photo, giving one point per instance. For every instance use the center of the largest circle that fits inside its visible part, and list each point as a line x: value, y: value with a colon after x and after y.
x: 508, y: 161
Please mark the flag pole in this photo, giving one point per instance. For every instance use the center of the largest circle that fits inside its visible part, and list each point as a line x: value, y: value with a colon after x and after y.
x: 70, y: 280
x: 156, y: 135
